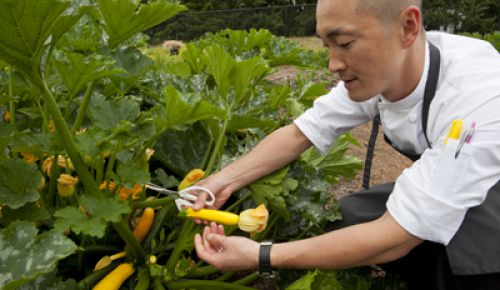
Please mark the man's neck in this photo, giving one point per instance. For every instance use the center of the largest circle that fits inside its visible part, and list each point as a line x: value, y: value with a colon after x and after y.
x: 410, y: 74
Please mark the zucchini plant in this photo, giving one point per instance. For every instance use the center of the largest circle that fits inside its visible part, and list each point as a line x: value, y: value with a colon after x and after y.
x: 88, y: 118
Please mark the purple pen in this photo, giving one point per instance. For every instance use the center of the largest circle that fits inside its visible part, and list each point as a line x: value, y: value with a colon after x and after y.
x: 468, y: 138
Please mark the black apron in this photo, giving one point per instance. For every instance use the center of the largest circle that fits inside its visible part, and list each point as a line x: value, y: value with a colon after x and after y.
x: 475, y: 248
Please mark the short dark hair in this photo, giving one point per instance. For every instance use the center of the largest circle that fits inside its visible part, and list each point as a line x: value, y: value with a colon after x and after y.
x: 387, y: 10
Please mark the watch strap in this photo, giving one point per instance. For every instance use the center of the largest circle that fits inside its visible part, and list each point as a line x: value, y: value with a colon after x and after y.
x: 265, y: 268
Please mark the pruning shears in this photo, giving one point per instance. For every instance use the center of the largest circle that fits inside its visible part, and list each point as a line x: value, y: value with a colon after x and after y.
x: 185, y: 199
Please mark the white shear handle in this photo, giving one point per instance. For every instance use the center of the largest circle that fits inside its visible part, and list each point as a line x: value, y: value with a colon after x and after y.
x: 188, y: 199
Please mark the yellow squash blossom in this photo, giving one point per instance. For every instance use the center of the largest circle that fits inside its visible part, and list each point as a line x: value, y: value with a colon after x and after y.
x: 104, y: 185
x: 149, y: 152
x: 254, y: 220
x: 28, y: 157
x: 191, y: 178
x: 126, y: 192
x: 66, y: 185
x: 52, y: 126
x: 62, y: 162
x: 251, y: 220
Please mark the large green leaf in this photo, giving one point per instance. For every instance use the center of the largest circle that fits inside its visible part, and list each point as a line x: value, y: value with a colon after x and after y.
x: 182, y: 151
x: 133, y: 172
x: 92, y: 222
x: 18, y: 183
x: 317, y: 279
x: 24, y: 255
x: 7, y: 133
x: 26, y: 27
x: 124, y: 18
x: 50, y: 282
x: 108, y: 115
x: 78, y: 70
x: 273, y: 189
x: 335, y: 162
x: 187, y: 109
x: 245, y: 75
x: 30, y: 212
x: 219, y: 64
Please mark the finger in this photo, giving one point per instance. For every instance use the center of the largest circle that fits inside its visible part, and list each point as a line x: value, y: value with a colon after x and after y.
x: 214, y: 228
x: 216, y: 241
x: 200, y: 248
x: 208, y: 246
x: 220, y: 230
x: 200, y: 201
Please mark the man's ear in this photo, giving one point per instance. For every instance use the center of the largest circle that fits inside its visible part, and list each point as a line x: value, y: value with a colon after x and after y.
x: 410, y: 21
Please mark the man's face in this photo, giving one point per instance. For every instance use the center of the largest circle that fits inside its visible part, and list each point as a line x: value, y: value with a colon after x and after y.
x: 363, y: 51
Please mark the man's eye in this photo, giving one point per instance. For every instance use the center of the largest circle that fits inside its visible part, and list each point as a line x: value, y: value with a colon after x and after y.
x: 345, y: 44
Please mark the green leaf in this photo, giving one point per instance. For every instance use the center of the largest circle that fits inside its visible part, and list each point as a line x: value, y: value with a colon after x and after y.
x: 26, y: 27
x: 108, y: 115
x: 24, y: 255
x: 274, y: 188
x: 245, y: 75
x: 99, y: 211
x: 18, y: 183
x: 134, y: 63
x: 182, y: 151
x: 245, y: 122
x: 71, y: 218
x: 133, y: 172
x: 219, y: 64
x: 29, y: 212
x: 180, y: 111
x: 305, y: 282
x: 7, y: 133
x: 50, y: 282
x: 335, y: 162
x: 124, y: 18
x: 78, y: 70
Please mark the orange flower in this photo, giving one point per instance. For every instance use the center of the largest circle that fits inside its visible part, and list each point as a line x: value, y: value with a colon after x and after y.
x: 124, y: 193
x: 28, y: 157
x: 191, y: 178
x: 7, y: 116
x: 104, y: 185
x: 66, y: 185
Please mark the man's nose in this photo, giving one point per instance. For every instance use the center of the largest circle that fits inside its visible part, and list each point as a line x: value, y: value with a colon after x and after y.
x: 336, y: 63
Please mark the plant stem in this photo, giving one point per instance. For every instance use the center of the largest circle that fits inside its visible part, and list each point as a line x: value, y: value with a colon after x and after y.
x: 83, y: 107
x: 92, y: 279
x: 154, y: 203
x: 202, y: 272
x: 160, y: 219
x: 185, y: 238
x: 12, y: 104
x: 205, y: 284
x: 54, y: 173
x: 218, y: 145
x: 225, y: 276
x: 124, y: 232
x: 247, y: 279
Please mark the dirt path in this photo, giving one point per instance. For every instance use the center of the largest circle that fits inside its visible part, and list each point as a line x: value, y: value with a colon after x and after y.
x: 387, y: 163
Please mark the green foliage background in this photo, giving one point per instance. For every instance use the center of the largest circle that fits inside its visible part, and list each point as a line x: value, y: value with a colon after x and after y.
x: 283, y: 18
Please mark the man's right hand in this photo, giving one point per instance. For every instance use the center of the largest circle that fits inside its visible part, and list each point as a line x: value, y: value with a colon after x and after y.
x: 221, y: 191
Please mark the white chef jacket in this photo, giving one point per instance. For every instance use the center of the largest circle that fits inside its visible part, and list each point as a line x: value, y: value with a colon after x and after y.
x: 468, y: 89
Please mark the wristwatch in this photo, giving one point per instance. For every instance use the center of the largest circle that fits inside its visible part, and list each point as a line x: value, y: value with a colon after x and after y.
x: 265, y: 269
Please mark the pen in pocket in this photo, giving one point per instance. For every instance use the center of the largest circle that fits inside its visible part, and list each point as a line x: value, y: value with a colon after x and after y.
x: 467, y: 139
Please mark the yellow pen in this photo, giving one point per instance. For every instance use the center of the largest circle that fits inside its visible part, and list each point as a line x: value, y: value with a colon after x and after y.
x: 455, y: 129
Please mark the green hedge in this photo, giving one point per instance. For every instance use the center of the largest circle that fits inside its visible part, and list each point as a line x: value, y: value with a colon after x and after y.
x: 493, y: 38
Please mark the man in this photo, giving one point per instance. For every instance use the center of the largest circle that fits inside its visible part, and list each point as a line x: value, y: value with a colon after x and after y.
x: 440, y: 220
